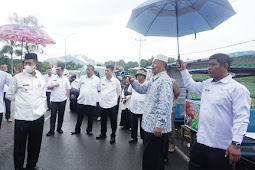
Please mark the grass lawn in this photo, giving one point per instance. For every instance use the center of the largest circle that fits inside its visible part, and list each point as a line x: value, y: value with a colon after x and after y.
x: 248, y: 82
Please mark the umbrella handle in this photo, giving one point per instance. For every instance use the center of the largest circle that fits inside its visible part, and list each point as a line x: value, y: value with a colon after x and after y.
x: 179, y: 60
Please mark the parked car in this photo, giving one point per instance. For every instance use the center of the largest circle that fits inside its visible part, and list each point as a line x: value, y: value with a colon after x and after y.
x: 73, y: 75
x: 74, y: 92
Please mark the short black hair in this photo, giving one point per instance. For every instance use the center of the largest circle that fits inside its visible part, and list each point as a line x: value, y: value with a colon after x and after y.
x: 91, y: 66
x: 110, y: 66
x: 221, y: 59
x: 49, y: 68
x: 61, y: 66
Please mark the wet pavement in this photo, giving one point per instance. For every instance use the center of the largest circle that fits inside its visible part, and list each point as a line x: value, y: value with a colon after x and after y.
x: 83, y: 152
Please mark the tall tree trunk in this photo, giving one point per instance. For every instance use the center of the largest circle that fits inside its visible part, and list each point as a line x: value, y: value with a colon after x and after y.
x: 11, y: 64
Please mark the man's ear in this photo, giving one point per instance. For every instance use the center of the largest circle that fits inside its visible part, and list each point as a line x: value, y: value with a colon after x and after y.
x: 36, y: 65
x: 226, y: 66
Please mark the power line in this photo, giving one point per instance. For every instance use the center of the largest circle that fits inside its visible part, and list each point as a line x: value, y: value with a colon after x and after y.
x: 217, y: 48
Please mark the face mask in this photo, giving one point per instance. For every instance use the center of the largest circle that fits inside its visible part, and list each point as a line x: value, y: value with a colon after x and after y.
x: 29, y: 69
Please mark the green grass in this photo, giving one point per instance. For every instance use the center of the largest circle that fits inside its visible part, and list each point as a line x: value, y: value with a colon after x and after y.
x: 248, y: 82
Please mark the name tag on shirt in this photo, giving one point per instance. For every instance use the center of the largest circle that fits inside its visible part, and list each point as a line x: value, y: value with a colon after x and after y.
x: 207, y: 90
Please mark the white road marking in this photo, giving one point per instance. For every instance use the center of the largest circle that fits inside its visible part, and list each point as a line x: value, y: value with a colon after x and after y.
x: 185, y: 157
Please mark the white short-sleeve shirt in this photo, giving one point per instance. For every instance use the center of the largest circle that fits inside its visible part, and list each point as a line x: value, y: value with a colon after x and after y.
x: 89, y: 87
x: 58, y: 94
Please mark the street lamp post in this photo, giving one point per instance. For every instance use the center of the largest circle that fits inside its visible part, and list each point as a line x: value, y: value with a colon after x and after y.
x: 140, y: 46
x: 65, y: 38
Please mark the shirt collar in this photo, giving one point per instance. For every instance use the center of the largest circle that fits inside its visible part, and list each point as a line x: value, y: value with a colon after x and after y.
x: 158, y: 75
x: 107, y: 79
x: 225, y: 79
x: 30, y: 75
x: 60, y: 77
x: 90, y: 77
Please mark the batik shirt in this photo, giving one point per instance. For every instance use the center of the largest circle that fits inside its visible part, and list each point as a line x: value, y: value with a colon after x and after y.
x: 158, y: 104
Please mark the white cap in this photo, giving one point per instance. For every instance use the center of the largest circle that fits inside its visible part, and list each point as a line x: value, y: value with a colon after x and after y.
x: 161, y: 58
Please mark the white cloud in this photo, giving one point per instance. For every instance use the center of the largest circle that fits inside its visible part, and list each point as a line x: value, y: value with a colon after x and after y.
x: 101, y: 33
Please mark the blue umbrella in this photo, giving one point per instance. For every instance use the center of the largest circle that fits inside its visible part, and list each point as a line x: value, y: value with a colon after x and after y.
x: 176, y: 18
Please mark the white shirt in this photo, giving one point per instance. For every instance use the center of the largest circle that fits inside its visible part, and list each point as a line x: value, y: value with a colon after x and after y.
x: 126, y: 104
x: 89, y: 87
x: 7, y: 86
x: 47, y: 78
x: 137, y: 100
x: 4, y: 80
x: 110, y: 92
x: 58, y: 94
x: 224, y: 111
x: 29, y: 93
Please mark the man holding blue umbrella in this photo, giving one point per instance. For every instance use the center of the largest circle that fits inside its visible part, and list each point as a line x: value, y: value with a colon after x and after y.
x: 224, y: 116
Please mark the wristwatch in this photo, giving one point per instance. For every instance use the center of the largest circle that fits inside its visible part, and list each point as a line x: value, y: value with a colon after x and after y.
x: 236, y: 144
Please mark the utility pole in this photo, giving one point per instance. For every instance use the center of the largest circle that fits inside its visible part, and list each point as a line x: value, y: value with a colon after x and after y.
x: 140, y: 46
x: 65, y: 38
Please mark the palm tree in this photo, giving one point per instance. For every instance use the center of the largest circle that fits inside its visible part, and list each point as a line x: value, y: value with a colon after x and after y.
x: 10, y: 48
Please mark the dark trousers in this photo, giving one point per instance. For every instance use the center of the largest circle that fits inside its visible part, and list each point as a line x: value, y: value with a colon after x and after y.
x: 57, y: 108
x: 113, y: 114
x: 27, y: 133
x: 206, y: 158
x: 88, y: 110
x: 1, y: 118
x: 7, y: 108
x: 134, y: 124
x: 48, y: 99
x: 153, y: 151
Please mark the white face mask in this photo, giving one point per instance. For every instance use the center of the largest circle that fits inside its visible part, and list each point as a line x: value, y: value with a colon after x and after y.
x: 29, y: 69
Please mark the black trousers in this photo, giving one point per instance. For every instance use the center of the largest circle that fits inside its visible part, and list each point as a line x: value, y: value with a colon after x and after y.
x: 1, y: 118
x: 113, y: 114
x: 88, y: 110
x: 206, y: 158
x: 27, y: 133
x: 7, y: 107
x: 57, y: 108
x: 134, y: 123
x: 48, y: 99
x: 153, y: 151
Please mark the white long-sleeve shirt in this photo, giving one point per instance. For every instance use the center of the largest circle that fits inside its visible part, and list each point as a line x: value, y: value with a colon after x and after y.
x: 224, y: 111
x: 29, y: 93
x: 137, y: 100
x: 110, y: 92
x: 4, y: 80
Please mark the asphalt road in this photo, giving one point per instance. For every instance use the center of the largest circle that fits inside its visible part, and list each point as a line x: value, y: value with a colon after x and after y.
x: 83, y: 152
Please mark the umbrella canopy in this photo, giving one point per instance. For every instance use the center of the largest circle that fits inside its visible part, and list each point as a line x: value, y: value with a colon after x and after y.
x: 176, y: 18
x: 25, y: 33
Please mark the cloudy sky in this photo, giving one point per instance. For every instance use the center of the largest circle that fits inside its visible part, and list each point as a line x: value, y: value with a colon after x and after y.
x: 99, y: 29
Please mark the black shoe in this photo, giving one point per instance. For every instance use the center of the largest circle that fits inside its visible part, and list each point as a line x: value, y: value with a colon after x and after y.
x: 112, y: 140
x: 60, y: 131
x: 34, y: 168
x: 165, y: 161
x: 89, y: 133
x: 133, y: 141
x: 101, y: 137
x: 75, y: 132
x: 37, y: 168
x: 50, y: 133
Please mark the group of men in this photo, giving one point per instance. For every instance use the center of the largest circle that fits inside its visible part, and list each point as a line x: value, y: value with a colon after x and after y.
x: 224, y: 112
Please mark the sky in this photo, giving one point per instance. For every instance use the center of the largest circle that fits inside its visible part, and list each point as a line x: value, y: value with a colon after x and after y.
x: 98, y: 30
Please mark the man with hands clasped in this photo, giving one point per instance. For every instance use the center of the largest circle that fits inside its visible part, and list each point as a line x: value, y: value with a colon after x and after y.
x: 224, y: 116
